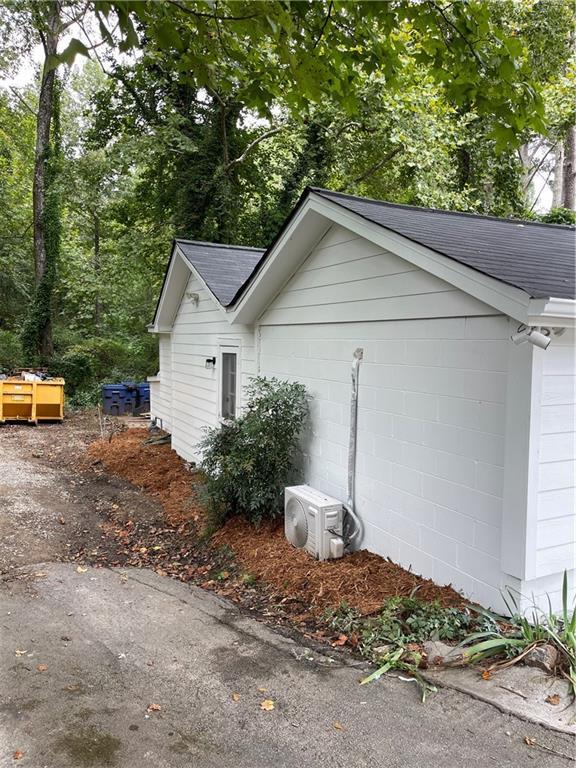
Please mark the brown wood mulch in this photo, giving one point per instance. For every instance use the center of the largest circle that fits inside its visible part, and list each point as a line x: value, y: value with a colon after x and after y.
x: 363, y: 580
x: 157, y: 469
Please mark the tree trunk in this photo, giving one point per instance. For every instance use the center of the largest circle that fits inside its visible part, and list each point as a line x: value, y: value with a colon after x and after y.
x: 569, y: 170
x: 96, y: 264
x: 43, y: 123
x: 558, y: 173
x: 527, y: 160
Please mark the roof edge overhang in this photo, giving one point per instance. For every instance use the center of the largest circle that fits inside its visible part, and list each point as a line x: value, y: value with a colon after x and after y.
x: 172, y: 292
x: 314, y: 215
x: 552, y: 313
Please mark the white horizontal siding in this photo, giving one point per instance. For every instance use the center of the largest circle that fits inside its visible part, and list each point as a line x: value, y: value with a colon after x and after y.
x: 347, y: 278
x: 196, y: 334
x: 430, y: 439
x: 556, y: 505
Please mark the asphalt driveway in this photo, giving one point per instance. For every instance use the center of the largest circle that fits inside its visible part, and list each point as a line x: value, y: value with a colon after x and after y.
x: 125, y: 668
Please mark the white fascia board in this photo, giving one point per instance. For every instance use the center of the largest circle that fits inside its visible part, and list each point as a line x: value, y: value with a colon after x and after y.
x: 173, y: 292
x: 552, y: 313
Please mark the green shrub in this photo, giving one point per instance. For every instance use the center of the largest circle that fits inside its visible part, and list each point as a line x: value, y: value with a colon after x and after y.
x: 86, y: 365
x: 248, y: 461
x: 559, y: 216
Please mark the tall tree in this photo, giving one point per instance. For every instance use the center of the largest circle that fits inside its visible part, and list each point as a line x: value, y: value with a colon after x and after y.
x: 569, y: 170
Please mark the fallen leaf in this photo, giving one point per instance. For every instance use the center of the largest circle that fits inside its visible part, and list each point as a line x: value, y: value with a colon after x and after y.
x: 486, y: 675
x: 235, y: 697
x: 341, y: 640
x: 553, y: 699
x: 81, y: 569
x: 18, y: 652
x: 267, y: 705
x: 262, y: 690
x: 153, y: 708
x: 42, y: 667
x: 338, y: 726
x: 18, y: 755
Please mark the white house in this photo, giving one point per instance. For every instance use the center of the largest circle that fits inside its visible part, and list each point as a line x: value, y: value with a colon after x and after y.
x: 466, y: 442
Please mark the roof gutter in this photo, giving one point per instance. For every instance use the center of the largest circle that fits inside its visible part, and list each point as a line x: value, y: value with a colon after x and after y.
x: 552, y: 313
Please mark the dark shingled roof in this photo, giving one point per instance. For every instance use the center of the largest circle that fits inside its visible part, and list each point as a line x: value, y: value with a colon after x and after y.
x: 224, y: 268
x: 538, y: 258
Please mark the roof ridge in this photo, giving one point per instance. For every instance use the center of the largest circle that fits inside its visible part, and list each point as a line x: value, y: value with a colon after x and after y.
x: 468, y: 214
x: 218, y: 245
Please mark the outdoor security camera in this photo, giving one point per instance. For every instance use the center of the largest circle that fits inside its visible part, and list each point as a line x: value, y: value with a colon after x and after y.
x: 521, y: 335
x: 539, y: 337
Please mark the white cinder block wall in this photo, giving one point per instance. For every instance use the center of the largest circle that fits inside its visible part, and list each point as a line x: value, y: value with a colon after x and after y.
x: 430, y: 440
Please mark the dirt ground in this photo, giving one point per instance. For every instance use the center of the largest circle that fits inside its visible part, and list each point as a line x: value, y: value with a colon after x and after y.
x: 47, y: 512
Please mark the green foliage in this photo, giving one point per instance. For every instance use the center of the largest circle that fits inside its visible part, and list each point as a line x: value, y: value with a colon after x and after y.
x: 404, y: 620
x: 512, y: 637
x: 10, y: 351
x: 249, y: 460
x: 16, y: 167
x: 86, y: 365
x: 228, y: 111
x: 393, y: 637
x: 559, y: 216
x: 305, y: 53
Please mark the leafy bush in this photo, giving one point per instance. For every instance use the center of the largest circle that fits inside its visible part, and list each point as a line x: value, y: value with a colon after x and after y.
x: 248, y: 461
x: 86, y: 365
x: 559, y: 216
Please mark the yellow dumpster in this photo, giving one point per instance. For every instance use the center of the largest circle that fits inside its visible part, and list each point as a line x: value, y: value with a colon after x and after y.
x: 31, y: 401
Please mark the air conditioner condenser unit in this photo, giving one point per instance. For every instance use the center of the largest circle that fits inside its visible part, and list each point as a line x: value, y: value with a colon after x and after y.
x: 313, y: 521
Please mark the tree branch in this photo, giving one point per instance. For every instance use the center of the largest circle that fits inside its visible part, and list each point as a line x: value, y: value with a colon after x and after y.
x: 373, y: 168
x: 538, y: 166
x: 22, y: 100
x: 200, y: 14
x: 326, y: 20
x: 460, y: 34
x: 252, y: 145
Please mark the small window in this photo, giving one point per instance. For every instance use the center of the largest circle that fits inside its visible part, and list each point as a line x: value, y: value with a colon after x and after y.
x: 229, y: 372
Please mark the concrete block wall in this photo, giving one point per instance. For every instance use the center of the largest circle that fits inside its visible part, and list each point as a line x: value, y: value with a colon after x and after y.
x: 430, y: 440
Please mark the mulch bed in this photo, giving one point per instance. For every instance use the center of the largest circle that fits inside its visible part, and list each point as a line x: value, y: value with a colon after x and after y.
x: 363, y: 580
x: 157, y: 469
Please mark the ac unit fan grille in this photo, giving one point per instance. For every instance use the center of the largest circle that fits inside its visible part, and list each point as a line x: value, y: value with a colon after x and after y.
x: 296, y: 523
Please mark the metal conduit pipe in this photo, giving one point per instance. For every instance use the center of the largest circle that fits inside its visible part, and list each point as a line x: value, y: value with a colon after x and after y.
x: 352, y: 523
